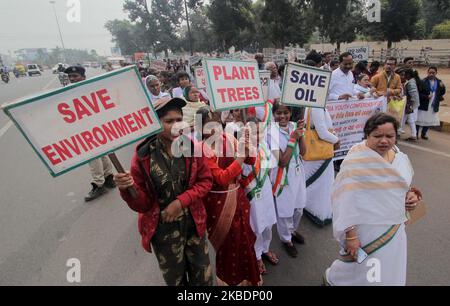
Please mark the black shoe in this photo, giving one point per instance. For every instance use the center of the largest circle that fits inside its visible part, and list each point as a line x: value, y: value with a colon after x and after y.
x: 95, y: 193
x: 291, y: 250
x: 425, y: 137
x: 109, y: 182
x: 297, y: 238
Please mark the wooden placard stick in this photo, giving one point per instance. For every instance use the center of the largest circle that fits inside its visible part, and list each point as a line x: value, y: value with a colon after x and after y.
x: 115, y: 161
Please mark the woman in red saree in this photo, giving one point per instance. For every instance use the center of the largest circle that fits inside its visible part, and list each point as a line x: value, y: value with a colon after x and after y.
x: 228, y: 212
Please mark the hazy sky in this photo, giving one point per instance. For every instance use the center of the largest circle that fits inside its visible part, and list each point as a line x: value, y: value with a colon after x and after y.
x: 32, y: 24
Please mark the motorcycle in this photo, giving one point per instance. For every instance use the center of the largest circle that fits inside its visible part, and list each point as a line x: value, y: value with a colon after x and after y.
x: 63, y: 79
x: 5, y: 77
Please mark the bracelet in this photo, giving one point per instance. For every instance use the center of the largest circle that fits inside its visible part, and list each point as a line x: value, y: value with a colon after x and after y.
x: 352, y: 238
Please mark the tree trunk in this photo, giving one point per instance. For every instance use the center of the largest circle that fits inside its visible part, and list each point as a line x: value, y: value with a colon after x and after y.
x: 338, y: 47
x: 389, y: 45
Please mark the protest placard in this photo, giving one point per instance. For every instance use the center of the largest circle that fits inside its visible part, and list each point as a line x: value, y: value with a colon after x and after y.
x: 247, y: 56
x: 71, y: 126
x: 233, y: 84
x: 237, y: 55
x: 305, y: 86
x: 279, y: 59
x: 349, y: 118
x: 200, y: 78
x: 269, y: 52
x: 359, y: 53
x: 193, y: 60
x: 158, y: 65
x: 301, y: 54
x: 265, y: 78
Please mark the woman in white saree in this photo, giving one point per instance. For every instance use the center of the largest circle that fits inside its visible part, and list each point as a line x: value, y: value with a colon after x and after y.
x: 371, y: 196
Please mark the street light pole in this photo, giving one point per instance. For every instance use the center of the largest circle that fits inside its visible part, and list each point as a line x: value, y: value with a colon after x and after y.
x: 189, y: 28
x: 59, y: 29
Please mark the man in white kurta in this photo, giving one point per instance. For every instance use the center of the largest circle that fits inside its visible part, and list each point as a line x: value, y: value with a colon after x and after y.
x: 342, y: 80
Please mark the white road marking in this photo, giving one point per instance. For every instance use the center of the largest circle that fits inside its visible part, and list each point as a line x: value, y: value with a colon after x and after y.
x: 409, y: 145
x: 49, y: 84
x: 4, y: 129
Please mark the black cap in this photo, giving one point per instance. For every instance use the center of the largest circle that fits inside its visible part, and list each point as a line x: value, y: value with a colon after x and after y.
x: 75, y: 69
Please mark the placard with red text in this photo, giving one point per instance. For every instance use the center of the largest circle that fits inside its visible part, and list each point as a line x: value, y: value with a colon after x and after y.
x: 71, y: 126
x: 233, y: 84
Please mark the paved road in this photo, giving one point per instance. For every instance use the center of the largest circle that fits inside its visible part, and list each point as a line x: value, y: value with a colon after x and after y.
x: 44, y: 221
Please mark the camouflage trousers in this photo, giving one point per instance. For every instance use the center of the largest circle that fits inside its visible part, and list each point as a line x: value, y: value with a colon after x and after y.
x: 182, y: 255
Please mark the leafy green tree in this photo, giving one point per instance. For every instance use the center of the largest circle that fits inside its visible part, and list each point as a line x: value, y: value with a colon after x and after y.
x: 286, y: 22
x: 340, y: 20
x: 229, y: 19
x: 442, y: 31
x: 124, y: 35
x: 399, y: 21
x: 435, y: 12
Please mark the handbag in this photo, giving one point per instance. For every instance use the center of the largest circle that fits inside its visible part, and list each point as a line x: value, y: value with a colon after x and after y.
x: 317, y: 149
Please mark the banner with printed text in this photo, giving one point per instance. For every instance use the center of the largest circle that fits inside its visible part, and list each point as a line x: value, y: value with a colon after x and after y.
x: 349, y: 119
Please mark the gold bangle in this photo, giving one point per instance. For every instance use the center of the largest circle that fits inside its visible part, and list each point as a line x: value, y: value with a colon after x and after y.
x: 352, y: 238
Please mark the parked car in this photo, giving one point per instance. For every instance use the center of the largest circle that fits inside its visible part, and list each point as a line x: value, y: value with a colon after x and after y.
x: 33, y: 69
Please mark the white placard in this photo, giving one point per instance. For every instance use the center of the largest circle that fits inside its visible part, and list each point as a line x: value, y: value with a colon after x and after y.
x: 359, y: 53
x: 233, y: 84
x: 200, y: 77
x: 265, y: 78
x: 305, y: 86
x: 71, y: 126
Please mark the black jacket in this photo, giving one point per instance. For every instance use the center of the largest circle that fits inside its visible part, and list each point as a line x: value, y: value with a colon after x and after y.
x: 425, y: 96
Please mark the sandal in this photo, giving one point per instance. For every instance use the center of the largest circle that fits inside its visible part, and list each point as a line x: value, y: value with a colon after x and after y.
x: 271, y: 258
x: 262, y: 267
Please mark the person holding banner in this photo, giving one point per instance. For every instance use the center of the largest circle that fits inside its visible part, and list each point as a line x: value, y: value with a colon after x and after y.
x: 363, y: 86
x: 258, y: 188
x: 371, y: 197
x: 342, y: 82
x: 227, y: 206
x: 288, y: 179
x: 320, y: 174
x: 170, y: 193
